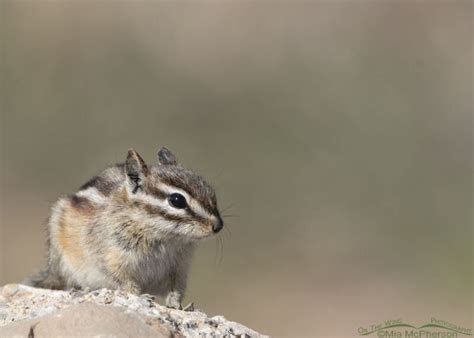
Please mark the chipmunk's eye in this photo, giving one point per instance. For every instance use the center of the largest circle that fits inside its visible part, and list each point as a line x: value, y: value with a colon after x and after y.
x: 177, y: 200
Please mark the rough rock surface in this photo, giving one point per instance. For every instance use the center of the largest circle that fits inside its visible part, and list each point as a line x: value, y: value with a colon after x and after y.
x: 31, y: 312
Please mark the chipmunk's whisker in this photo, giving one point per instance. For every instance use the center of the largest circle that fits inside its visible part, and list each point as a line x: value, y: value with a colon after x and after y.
x: 228, y: 232
x: 228, y: 207
x: 221, y: 246
x: 230, y: 216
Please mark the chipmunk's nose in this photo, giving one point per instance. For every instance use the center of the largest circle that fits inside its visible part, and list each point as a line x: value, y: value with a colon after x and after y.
x: 218, y: 225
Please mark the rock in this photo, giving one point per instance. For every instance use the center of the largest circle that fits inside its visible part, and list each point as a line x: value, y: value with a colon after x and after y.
x: 84, y: 320
x: 32, y: 312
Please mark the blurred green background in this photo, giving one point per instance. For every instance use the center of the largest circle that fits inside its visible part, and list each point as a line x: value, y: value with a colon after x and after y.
x: 339, y: 134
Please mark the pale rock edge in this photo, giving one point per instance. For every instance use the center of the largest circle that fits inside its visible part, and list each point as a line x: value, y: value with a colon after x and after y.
x: 26, y: 311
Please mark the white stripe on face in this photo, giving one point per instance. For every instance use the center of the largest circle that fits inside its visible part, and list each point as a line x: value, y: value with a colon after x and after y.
x: 162, y: 203
x: 194, y: 205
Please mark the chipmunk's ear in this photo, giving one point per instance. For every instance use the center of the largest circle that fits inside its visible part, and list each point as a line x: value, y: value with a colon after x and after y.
x: 136, y: 170
x: 166, y: 157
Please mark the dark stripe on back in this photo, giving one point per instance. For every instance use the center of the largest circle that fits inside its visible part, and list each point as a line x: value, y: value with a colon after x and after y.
x: 101, y: 184
x: 81, y: 203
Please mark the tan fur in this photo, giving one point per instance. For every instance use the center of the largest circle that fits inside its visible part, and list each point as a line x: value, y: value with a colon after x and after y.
x: 121, y: 230
x: 70, y: 227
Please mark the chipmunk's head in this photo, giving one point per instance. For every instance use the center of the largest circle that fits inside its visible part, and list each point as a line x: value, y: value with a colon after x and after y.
x: 175, y: 200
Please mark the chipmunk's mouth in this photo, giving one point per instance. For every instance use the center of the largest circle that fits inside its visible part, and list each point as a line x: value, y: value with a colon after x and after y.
x: 208, y: 229
x: 205, y: 234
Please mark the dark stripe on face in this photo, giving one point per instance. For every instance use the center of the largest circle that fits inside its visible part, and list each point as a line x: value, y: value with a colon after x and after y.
x: 201, y: 193
x: 164, y: 196
x: 157, y: 192
x: 155, y: 210
x: 195, y: 215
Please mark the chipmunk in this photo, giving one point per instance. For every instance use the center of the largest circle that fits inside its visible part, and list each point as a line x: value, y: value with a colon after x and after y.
x: 132, y: 227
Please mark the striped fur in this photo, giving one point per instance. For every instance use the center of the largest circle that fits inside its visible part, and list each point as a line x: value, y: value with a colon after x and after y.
x: 119, y: 230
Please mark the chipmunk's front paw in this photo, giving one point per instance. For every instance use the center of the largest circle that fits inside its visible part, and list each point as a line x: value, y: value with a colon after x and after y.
x: 148, y: 296
x: 174, y: 305
x: 173, y: 301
